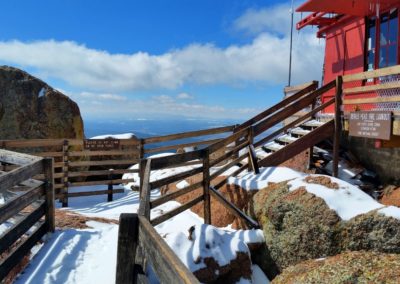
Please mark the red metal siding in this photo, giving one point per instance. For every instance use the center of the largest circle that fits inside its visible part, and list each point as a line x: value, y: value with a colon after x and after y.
x: 344, y: 51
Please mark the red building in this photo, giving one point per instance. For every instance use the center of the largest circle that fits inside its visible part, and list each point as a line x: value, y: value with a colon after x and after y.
x: 361, y: 35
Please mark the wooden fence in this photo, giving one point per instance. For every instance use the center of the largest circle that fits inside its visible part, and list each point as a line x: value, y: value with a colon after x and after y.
x: 135, y: 246
x: 28, y: 209
x: 76, y: 166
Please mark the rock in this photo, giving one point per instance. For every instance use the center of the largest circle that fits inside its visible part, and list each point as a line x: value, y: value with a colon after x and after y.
x: 391, y: 196
x: 30, y: 109
x: 297, y: 226
x: 371, y: 231
x: 349, y: 267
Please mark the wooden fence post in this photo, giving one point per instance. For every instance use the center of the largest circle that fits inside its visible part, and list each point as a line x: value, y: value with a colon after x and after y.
x: 128, y: 233
x: 145, y: 190
x: 65, y: 173
x: 311, y: 150
x: 338, y: 125
x: 206, y: 186
x: 110, y: 185
x: 49, y: 187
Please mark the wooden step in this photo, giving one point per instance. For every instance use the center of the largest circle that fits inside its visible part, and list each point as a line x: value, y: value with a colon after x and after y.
x: 299, y: 131
x: 286, y: 139
x: 272, y: 146
x: 313, y: 123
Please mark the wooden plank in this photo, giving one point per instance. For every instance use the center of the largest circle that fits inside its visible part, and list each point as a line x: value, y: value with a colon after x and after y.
x: 338, y: 126
x: 22, y: 143
x: 65, y: 170
x: 227, y: 166
x: 235, y: 173
x: 372, y: 74
x: 229, y: 154
x: 279, y: 106
x: 49, y: 154
x: 176, y: 211
x: 178, y: 146
x: 123, y: 142
x: 19, y: 175
x: 167, y: 266
x: 127, y: 152
x: 373, y: 88
x: 291, y: 89
x: 371, y: 100
x: 21, y: 227
x: 16, y: 204
x: 17, y: 158
x: 175, y: 160
x: 233, y: 209
x: 294, y: 123
x: 298, y: 146
x: 21, y: 250
x: 241, y: 134
x: 99, y: 163
x: 170, y: 196
x: 291, y: 109
x: 49, y: 188
x: 145, y: 190
x: 128, y: 235
x: 206, y: 187
x: 175, y: 178
x: 253, y: 159
x: 99, y: 173
x: 99, y: 182
x: 189, y: 134
x: 97, y: 192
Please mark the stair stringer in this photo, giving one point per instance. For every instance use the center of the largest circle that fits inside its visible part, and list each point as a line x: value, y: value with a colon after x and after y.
x: 289, y: 151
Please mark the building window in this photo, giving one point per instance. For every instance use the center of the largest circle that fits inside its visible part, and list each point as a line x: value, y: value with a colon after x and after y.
x: 382, y: 40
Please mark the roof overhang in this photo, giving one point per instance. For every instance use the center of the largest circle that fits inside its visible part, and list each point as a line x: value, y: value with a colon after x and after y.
x: 348, y: 7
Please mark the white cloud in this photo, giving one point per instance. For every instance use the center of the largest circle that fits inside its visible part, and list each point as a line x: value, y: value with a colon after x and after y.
x: 184, y: 96
x: 264, y: 59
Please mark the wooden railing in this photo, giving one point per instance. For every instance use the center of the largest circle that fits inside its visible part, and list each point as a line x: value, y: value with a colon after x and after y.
x: 24, y: 206
x: 75, y: 167
x: 212, y: 162
x: 373, y: 90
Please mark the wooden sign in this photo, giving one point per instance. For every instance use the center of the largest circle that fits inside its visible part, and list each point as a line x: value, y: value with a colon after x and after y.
x: 371, y: 124
x: 101, y: 144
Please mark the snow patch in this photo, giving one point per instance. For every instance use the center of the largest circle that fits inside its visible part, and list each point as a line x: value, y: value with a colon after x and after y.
x: 258, y: 276
x: 390, y: 211
x: 115, y: 136
x: 250, y: 181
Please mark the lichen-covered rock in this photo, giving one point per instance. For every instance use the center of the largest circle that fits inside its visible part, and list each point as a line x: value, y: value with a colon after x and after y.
x: 349, y: 267
x: 371, y: 231
x: 29, y: 109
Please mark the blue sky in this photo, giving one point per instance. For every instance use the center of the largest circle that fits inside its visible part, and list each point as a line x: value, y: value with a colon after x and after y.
x: 143, y: 59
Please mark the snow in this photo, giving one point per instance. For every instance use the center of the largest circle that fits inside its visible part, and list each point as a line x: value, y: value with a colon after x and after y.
x: 348, y: 201
x: 259, y: 276
x: 182, y: 184
x: 390, y: 211
x: 42, y: 92
x: 250, y: 181
x: 115, y: 136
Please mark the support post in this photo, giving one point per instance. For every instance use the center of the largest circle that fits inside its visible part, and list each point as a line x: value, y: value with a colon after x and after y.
x: 49, y: 188
x: 110, y: 185
x: 311, y: 150
x: 128, y: 235
x: 65, y: 173
x: 206, y: 187
x: 338, y: 125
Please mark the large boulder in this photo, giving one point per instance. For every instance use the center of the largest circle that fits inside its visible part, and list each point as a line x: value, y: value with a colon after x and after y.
x: 349, y: 267
x: 319, y: 216
x: 29, y: 109
x: 297, y: 226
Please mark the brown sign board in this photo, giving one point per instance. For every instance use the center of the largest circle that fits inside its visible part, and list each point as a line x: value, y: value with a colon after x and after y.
x: 101, y: 144
x: 371, y: 124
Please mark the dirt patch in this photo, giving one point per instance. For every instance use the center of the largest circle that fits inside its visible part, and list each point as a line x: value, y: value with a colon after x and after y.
x: 322, y: 180
x: 69, y: 220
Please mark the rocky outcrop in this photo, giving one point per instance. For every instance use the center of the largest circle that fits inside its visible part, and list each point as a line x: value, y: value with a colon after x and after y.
x: 29, y: 108
x: 349, y: 267
x: 299, y: 226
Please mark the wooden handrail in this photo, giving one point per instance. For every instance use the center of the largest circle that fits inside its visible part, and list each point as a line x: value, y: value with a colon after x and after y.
x: 372, y: 74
